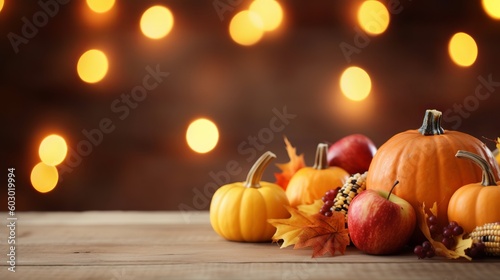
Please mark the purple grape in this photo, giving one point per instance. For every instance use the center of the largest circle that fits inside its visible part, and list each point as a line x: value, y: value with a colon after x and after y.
x: 426, y: 245
x: 433, y: 229
x: 452, y: 224
x: 447, y: 233
x: 457, y: 230
x: 419, y: 251
x: 432, y: 220
x: 448, y: 242
x: 430, y: 254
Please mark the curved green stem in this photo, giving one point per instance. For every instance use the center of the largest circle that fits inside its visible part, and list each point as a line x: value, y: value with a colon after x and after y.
x: 320, y: 161
x: 488, y: 177
x: 432, y: 123
x: 255, y: 174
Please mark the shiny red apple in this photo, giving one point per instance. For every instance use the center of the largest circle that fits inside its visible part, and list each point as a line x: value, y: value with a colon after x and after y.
x: 380, y: 223
x: 353, y: 153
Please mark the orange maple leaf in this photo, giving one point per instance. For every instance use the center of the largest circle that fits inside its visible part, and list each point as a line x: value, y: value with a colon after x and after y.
x: 441, y: 250
x: 312, y: 208
x: 325, y: 235
x: 288, y: 169
x: 290, y: 229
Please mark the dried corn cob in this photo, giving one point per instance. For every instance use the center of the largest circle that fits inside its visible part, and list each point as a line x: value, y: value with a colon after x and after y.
x: 489, y: 234
x: 352, y: 187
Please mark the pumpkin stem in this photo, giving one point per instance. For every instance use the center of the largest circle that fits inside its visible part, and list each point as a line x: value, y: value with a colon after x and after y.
x: 393, y: 186
x: 432, y: 123
x: 320, y: 161
x: 255, y: 174
x: 488, y: 177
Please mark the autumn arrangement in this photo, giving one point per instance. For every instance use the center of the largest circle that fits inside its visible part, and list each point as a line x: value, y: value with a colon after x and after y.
x: 433, y: 189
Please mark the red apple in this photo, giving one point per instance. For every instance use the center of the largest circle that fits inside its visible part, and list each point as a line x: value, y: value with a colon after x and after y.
x: 380, y: 223
x: 353, y: 153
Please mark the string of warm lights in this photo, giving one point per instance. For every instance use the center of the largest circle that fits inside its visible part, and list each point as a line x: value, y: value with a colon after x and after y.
x: 52, y: 151
x: 249, y: 26
x: 246, y: 28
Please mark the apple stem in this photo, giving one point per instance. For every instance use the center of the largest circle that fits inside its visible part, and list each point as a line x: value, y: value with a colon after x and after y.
x: 393, y: 186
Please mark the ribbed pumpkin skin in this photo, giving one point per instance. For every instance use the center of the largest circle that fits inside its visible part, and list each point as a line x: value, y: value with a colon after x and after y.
x: 240, y: 213
x: 309, y: 184
x: 475, y: 205
x: 426, y: 167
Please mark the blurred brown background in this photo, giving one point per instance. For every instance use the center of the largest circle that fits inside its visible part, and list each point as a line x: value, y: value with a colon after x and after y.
x: 145, y: 163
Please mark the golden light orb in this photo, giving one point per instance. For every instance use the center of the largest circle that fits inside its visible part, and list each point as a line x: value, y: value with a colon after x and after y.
x: 355, y: 83
x: 202, y: 135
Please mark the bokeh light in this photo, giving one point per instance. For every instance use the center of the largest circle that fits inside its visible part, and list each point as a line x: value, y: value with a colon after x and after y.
x: 53, y: 150
x: 202, y: 135
x: 92, y: 66
x: 44, y: 177
x: 246, y: 28
x: 157, y: 22
x: 462, y: 49
x: 355, y: 83
x: 100, y: 6
x: 270, y: 12
x: 373, y: 17
x: 1, y: 5
x: 492, y: 8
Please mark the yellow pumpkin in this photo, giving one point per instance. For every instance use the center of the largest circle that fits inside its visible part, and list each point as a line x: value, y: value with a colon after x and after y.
x: 478, y: 203
x: 239, y: 211
x: 424, y: 162
x: 311, y: 183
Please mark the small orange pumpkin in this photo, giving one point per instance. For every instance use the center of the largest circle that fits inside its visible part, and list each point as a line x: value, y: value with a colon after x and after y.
x: 311, y: 183
x: 478, y: 203
x: 424, y: 162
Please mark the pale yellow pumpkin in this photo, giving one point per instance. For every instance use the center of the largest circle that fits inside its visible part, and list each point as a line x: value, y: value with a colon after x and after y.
x: 239, y: 211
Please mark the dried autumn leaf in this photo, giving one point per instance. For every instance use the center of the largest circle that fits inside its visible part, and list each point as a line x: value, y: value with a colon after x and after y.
x: 290, y: 229
x: 439, y: 248
x: 288, y: 169
x: 312, y: 208
x: 325, y: 235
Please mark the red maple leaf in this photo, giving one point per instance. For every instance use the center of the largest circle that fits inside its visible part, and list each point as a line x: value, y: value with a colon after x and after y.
x: 288, y: 169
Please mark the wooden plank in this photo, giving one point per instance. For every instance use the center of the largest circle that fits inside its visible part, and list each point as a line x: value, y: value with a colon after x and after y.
x: 158, y: 244
x: 290, y: 271
x: 126, y: 245
x: 112, y: 217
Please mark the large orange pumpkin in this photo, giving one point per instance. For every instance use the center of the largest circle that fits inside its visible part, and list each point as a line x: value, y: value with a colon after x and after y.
x: 476, y: 204
x: 423, y: 160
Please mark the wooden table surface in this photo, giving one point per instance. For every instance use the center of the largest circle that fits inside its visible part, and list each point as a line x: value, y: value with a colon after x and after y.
x: 182, y: 245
